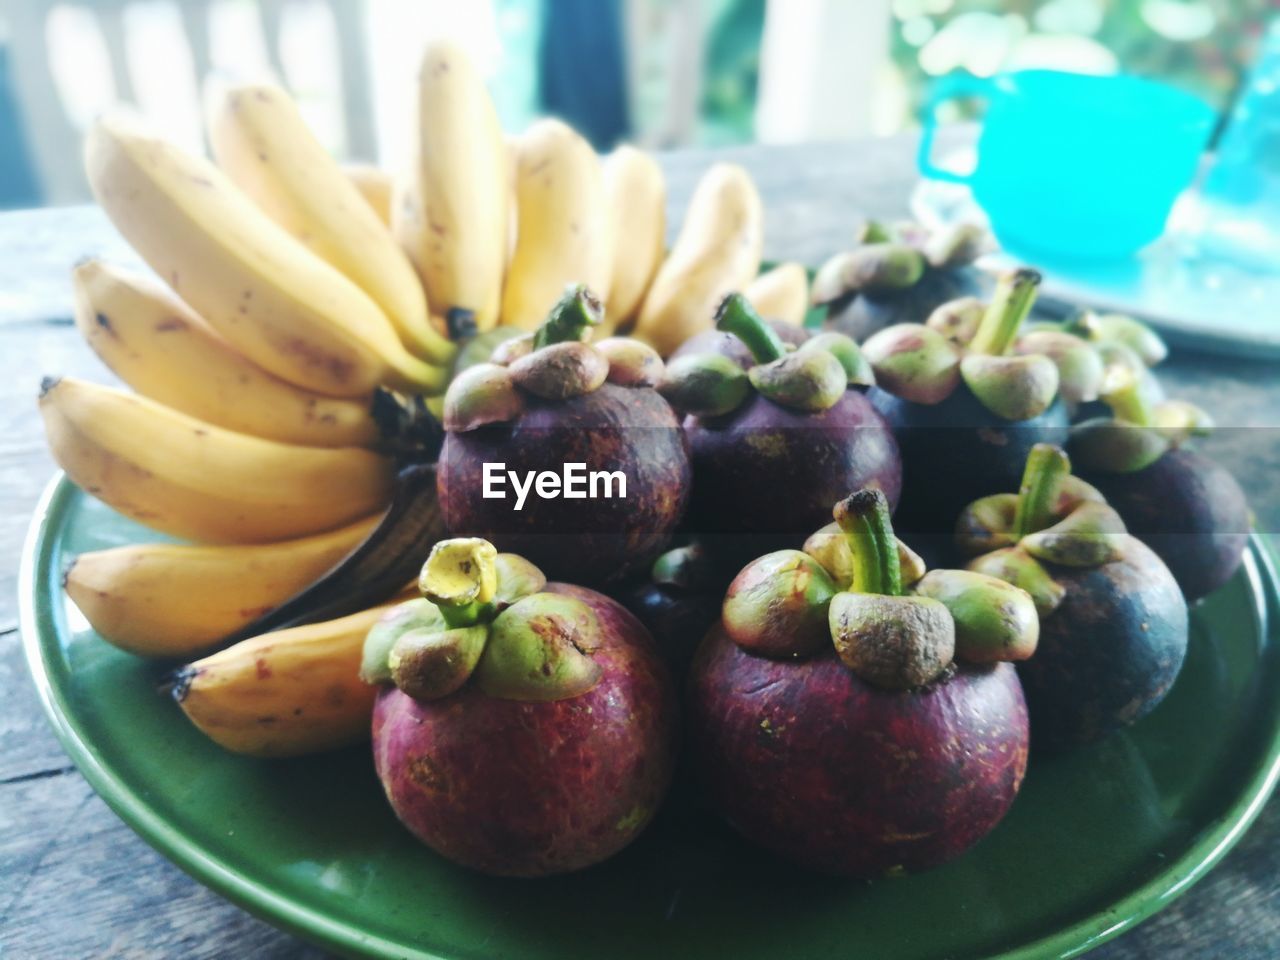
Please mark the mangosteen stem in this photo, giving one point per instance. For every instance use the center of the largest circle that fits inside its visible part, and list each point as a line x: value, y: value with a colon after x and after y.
x: 461, y: 578
x: 1047, y: 466
x: 1009, y: 306
x: 1125, y: 397
x: 864, y: 520
x: 736, y: 315
x: 577, y: 310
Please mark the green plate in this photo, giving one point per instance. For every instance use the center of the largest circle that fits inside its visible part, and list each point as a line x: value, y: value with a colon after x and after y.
x: 1097, y: 841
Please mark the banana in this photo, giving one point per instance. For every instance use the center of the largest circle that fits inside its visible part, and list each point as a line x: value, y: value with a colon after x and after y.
x: 158, y: 345
x: 717, y: 253
x: 187, y: 478
x: 375, y: 185
x: 171, y: 600
x: 462, y: 184
x: 564, y: 234
x: 262, y: 143
x: 637, y: 196
x: 284, y: 694
x: 273, y: 299
x: 781, y: 293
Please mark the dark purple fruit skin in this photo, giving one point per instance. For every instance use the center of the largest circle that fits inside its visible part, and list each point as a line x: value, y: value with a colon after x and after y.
x: 727, y: 345
x: 531, y: 789
x: 677, y: 619
x: 767, y: 476
x: 809, y: 761
x: 861, y: 316
x: 956, y: 451
x: 1109, y: 653
x: 1187, y: 509
x: 590, y: 541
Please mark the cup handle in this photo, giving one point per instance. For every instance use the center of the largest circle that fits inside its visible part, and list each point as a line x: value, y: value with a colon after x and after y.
x: 950, y: 87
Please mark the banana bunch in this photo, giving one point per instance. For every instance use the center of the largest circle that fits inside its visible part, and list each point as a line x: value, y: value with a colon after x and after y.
x: 290, y: 290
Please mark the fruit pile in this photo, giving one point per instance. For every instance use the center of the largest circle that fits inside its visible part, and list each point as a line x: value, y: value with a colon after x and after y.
x: 333, y: 364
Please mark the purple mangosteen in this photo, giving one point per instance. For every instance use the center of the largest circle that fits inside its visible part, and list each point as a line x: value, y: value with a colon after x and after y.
x: 1113, y: 623
x: 855, y: 714
x: 550, y: 400
x: 523, y: 728
x: 968, y: 398
x: 774, y: 446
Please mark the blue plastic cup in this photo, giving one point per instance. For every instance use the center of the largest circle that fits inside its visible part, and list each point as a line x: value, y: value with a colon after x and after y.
x: 1073, y: 165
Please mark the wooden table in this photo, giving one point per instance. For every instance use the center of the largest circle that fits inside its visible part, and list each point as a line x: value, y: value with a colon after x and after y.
x: 75, y: 882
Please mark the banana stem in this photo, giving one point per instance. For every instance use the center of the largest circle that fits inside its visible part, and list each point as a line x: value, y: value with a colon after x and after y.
x: 735, y: 315
x: 460, y: 322
x: 1015, y: 293
x: 864, y: 520
x: 1047, y: 466
x: 461, y: 578
x: 577, y: 310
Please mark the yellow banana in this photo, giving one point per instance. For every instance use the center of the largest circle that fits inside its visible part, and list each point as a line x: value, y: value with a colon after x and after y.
x: 637, y: 198
x: 781, y: 293
x: 284, y: 694
x: 268, y: 295
x: 375, y: 185
x: 191, y: 479
x: 172, y: 600
x: 717, y: 253
x: 262, y: 143
x: 158, y: 345
x: 564, y: 229
x: 462, y: 183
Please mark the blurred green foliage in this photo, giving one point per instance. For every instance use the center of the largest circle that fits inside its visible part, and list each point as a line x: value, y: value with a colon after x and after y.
x: 1204, y: 46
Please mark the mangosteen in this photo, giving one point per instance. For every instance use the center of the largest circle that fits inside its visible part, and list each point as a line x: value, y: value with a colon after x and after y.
x: 967, y: 399
x: 855, y: 714
x: 773, y: 446
x: 1113, y: 624
x: 523, y: 728
x: 543, y: 404
x: 898, y: 274
x: 680, y: 600
x: 1187, y: 508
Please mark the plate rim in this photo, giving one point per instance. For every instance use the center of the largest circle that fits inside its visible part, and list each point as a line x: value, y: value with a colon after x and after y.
x: 1092, y: 930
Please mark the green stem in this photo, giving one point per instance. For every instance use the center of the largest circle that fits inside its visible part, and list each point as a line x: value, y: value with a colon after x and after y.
x: 864, y: 520
x: 735, y: 315
x: 1015, y: 293
x: 1047, y: 466
x: 577, y: 310
x: 461, y: 578
x: 1127, y: 399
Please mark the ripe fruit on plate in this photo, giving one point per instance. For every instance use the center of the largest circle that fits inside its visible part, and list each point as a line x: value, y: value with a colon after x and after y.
x: 774, y: 446
x: 857, y: 718
x: 1113, y: 623
x: 521, y: 728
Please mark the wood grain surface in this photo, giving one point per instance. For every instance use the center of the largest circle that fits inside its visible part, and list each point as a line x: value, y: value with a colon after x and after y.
x: 75, y: 882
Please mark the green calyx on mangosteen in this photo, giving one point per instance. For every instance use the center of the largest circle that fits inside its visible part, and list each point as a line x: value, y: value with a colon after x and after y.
x: 484, y: 619
x: 898, y: 273
x: 925, y: 362
x: 1183, y: 505
x: 1054, y: 518
x: 1139, y: 431
x: 556, y: 362
x: 810, y: 378
x: 848, y: 589
x: 1117, y: 328
x: 1113, y: 622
